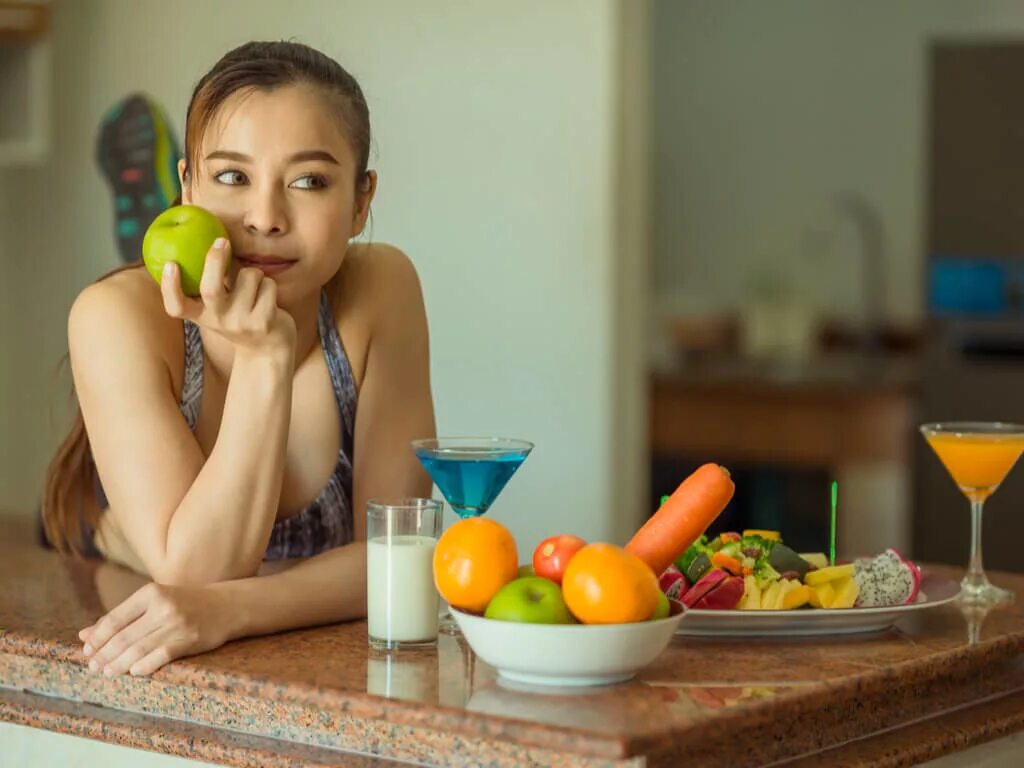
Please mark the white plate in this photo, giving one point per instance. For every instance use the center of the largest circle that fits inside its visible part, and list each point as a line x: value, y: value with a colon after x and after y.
x: 566, y: 654
x: 814, y: 621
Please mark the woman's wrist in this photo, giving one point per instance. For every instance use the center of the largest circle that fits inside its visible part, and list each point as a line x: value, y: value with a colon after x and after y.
x: 235, y: 602
x: 280, y: 353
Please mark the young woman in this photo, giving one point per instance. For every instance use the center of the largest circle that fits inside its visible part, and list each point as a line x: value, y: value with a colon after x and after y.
x: 221, y: 435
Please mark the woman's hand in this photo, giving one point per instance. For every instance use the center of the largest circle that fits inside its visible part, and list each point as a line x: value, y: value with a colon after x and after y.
x: 247, y: 315
x: 156, y: 625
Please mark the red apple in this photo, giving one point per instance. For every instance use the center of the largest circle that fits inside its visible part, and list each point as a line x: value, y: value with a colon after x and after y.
x: 553, y: 554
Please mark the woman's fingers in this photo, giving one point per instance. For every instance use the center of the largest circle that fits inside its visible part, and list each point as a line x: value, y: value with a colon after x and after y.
x: 247, y: 286
x: 211, y: 284
x: 85, y: 635
x: 122, y: 643
x: 266, y: 298
x: 137, y: 650
x: 153, y: 660
x: 176, y: 303
x: 118, y: 619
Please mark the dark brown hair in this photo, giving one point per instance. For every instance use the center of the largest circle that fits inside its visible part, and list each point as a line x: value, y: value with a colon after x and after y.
x: 70, y: 506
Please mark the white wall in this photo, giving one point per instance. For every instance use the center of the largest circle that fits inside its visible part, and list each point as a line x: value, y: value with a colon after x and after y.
x: 495, y: 146
x: 765, y: 110
x: 24, y: 746
x: 8, y: 359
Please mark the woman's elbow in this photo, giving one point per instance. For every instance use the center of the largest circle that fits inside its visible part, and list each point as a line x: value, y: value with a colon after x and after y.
x: 192, y: 572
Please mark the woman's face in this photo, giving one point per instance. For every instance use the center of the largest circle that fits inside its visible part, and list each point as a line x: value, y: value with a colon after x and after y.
x: 277, y: 169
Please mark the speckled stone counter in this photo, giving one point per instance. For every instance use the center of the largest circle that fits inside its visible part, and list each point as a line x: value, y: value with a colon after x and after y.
x: 941, y: 682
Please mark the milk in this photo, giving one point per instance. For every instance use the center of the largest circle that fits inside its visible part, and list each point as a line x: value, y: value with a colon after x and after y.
x: 401, y: 600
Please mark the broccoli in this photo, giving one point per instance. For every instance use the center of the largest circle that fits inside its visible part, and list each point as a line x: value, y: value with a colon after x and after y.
x: 764, y: 574
x: 699, y: 546
x: 762, y: 545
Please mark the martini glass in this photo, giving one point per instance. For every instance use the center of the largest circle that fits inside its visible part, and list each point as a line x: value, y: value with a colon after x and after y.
x: 978, y: 455
x: 471, y: 473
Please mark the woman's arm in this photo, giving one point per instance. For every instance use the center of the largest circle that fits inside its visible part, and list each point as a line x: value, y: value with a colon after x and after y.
x: 191, y: 519
x: 395, y: 401
x: 158, y: 624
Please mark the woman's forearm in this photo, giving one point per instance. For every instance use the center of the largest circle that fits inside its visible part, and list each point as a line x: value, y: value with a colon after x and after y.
x: 324, y: 589
x: 221, y: 527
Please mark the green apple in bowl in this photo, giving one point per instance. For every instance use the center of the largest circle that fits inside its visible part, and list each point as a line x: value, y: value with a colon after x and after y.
x: 663, y: 608
x: 182, y: 234
x: 529, y: 600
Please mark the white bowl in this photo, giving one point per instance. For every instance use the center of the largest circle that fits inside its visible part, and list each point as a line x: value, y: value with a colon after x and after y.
x: 566, y: 654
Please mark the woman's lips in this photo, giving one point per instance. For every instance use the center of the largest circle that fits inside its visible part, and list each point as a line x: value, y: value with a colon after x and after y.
x: 270, y: 265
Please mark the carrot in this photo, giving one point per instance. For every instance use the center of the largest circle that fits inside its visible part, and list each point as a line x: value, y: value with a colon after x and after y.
x: 731, y: 564
x: 679, y: 522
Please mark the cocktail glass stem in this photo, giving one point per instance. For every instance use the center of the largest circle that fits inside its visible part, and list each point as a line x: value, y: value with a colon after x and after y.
x: 975, y: 587
x: 975, y: 580
x: 446, y: 622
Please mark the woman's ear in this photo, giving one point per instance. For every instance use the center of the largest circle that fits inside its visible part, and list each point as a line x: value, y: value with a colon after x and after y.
x: 183, y: 178
x: 364, y: 196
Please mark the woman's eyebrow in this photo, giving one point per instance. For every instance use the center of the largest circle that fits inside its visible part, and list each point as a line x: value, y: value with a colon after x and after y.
x: 313, y: 154
x: 223, y: 154
x: 298, y: 157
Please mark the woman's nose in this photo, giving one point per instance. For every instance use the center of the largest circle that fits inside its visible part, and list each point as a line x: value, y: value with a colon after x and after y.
x: 266, y: 214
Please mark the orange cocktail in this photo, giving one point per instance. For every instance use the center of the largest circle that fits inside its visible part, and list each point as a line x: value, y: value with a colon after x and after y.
x: 978, y: 456
x: 977, y: 462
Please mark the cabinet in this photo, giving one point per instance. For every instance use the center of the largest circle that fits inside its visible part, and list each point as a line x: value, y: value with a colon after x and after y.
x: 25, y: 76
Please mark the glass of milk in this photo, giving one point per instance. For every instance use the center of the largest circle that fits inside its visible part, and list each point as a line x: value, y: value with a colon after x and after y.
x: 401, y: 600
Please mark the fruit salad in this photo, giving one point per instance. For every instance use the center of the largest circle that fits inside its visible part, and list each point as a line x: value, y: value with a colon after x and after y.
x: 756, y: 571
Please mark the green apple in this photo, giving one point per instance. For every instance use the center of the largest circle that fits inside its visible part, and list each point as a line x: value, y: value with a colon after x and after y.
x: 661, y: 610
x: 530, y: 600
x: 526, y: 570
x: 182, y: 234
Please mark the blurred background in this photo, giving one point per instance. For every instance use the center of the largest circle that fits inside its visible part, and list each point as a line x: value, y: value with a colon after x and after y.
x: 651, y: 233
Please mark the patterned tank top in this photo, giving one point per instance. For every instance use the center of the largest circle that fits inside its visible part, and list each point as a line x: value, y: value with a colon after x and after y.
x: 327, y: 522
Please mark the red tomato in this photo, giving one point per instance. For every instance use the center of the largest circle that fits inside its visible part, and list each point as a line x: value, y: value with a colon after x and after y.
x: 553, y: 554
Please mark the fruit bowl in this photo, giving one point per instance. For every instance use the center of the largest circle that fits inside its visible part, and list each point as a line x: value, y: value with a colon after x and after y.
x: 567, y: 654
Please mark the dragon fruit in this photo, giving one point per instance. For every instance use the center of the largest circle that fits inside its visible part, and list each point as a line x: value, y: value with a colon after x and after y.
x: 886, y: 579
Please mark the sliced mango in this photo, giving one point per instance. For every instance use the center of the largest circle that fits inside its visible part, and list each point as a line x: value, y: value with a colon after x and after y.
x: 770, y: 535
x: 796, y: 597
x: 822, y: 595
x: 786, y: 586
x: 831, y: 573
x: 751, y: 594
x: 846, y: 594
x: 817, y: 559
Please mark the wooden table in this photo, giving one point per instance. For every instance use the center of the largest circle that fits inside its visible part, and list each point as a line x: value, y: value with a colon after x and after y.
x: 851, y: 415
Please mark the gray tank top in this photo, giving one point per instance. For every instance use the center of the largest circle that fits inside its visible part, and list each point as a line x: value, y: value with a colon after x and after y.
x: 327, y: 521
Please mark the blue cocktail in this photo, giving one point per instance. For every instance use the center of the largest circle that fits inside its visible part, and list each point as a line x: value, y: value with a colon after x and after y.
x: 471, y: 472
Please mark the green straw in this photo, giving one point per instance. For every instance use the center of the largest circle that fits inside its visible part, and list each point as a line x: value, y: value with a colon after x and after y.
x: 832, y: 530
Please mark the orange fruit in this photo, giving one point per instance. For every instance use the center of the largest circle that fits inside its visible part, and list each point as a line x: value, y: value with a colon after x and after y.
x: 473, y: 560
x: 605, y: 584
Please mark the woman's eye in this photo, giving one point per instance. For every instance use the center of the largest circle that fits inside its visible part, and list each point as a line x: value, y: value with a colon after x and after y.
x: 310, y: 182
x: 231, y: 178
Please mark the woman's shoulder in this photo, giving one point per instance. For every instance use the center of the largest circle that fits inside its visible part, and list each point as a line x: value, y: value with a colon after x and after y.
x: 373, y: 280
x: 124, y: 309
x: 376, y: 287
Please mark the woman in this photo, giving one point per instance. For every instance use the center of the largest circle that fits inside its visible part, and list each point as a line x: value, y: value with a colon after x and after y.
x: 250, y: 424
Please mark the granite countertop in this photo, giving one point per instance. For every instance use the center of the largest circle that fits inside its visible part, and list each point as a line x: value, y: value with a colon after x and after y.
x: 942, y: 681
